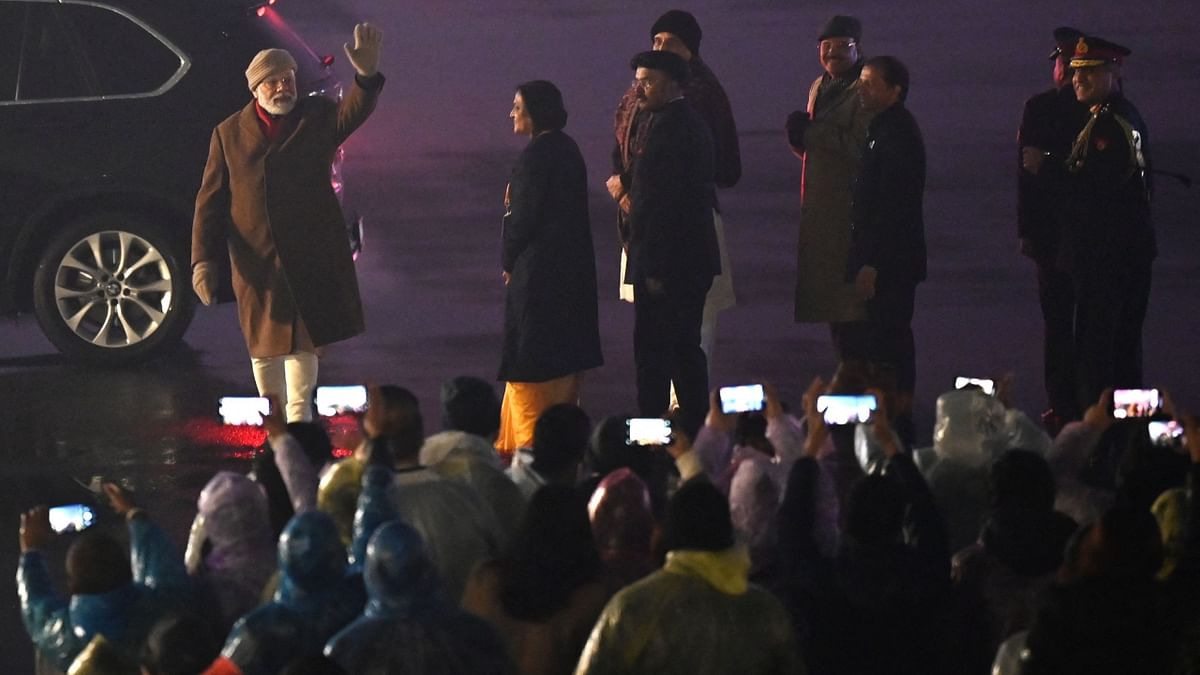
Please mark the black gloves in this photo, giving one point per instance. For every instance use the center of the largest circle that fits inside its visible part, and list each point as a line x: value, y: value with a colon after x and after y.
x: 797, y: 123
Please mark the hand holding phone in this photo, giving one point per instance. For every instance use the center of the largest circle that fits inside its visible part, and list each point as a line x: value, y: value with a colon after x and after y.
x: 986, y: 384
x: 341, y: 400
x: 839, y: 409
x: 243, y: 410
x: 35, y: 532
x: 1130, y: 403
x: 648, y: 431
x: 1166, y: 433
x: 71, y: 518
x: 742, y: 398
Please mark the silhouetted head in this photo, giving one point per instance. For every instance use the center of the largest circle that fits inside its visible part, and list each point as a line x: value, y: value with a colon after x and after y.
x: 1022, y: 478
x: 560, y: 438
x: 97, y: 563
x: 1124, y: 544
x: 698, y: 519
x: 469, y: 404
x: 401, y: 422
x: 179, y: 644
x: 875, y: 511
x: 551, y: 554
x: 314, y: 441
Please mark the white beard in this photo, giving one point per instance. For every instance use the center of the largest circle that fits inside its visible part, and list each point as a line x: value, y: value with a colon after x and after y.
x: 279, y: 106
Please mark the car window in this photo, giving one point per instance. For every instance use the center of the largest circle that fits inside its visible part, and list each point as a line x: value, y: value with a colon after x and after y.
x: 118, y: 54
x: 12, y: 24
x: 48, y: 68
x: 78, y: 51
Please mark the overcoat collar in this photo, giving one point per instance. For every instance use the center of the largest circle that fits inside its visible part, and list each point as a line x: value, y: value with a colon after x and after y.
x: 248, y: 119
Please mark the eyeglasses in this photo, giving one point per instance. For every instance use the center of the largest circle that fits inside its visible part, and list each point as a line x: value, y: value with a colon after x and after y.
x: 644, y: 84
x: 278, y: 82
x: 837, y: 45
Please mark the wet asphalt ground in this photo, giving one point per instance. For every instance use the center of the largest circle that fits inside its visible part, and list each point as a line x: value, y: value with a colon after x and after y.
x: 429, y: 170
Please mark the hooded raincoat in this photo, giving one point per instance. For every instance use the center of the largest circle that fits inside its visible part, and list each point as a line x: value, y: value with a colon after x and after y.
x: 232, y: 519
x: 458, y: 527
x: 408, y: 626
x: 623, y: 526
x: 315, y: 599
x: 697, y: 615
x: 60, y: 627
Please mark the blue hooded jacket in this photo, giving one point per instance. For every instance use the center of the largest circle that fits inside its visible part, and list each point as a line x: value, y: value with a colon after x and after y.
x: 315, y: 598
x: 408, y: 626
x: 60, y: 628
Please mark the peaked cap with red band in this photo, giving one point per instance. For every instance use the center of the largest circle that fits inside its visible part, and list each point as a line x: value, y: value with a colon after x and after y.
x: 1093, y: 51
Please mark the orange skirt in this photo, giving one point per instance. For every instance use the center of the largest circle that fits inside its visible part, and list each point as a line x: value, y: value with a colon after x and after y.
x: 524, y: 402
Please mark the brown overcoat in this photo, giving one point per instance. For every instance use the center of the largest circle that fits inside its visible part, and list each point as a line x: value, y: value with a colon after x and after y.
x: 272, y: 206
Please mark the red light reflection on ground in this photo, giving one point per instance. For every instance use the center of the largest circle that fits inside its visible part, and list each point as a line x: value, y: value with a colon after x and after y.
x: 243, y: 442
x: 211, y: 432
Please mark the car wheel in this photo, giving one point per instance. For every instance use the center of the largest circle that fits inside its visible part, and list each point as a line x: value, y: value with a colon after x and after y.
x: 112, y: 289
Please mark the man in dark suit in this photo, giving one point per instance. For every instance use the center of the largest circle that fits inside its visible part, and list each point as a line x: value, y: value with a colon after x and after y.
x: 1049, y: 124
x: 887, y: 251
x: 673, y: 254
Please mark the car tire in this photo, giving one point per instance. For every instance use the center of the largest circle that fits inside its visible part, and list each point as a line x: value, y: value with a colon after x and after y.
x: 113, y: 289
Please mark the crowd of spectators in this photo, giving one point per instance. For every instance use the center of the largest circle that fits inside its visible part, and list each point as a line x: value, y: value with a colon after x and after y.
x: 769, y: 543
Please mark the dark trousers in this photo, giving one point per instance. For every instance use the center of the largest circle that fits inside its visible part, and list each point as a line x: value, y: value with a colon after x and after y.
x: 851, y: 340
x: 1111, y: 304
x: 666, y: 349
x: 890, y: 346
x: 1056, y: 293
x: 890, y: 315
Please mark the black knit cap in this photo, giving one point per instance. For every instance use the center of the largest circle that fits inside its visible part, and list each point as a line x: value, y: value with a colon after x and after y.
x: 668, y: 62
x: 1065, y: 38
x: 841, y: 26
x: 682, y: 24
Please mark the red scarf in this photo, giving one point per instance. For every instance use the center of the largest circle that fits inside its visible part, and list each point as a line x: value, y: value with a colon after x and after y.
x: 274, y: 126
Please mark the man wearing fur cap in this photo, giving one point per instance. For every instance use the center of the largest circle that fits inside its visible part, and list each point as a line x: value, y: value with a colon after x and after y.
x: 266, y: 197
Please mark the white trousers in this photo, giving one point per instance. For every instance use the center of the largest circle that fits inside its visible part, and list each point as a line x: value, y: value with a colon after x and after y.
x: 291, y: 375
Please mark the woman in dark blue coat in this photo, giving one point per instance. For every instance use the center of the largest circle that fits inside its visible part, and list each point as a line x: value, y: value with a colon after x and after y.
x: 551, y: 329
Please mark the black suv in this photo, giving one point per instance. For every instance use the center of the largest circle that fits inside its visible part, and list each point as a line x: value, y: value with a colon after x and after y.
x: 106, y: 109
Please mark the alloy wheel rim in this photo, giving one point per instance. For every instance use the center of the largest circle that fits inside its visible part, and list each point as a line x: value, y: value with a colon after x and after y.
x: 113, y: 289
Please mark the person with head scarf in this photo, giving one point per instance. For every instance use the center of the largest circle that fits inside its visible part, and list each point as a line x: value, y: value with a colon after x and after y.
x: 551, y: 320
x: 231, y: 548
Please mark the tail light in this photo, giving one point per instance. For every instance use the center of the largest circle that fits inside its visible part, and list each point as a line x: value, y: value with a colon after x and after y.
x: 335, y: 172
x: 261, y: 8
